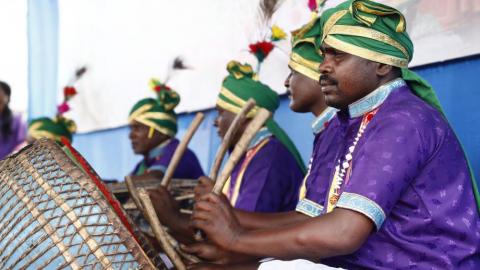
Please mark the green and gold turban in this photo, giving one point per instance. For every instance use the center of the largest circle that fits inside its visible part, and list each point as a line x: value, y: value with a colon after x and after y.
x: 375, y: 32
x: 239, y: 86
x: 304, y: 57
x: 158, y: 114
x: 54, y: 129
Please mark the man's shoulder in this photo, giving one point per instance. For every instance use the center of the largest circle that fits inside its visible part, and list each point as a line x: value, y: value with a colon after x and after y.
x: 409, y: 111
x: 273, y: 144
x: 271, y: 150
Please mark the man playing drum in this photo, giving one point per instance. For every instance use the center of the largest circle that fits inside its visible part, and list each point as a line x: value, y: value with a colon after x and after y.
x: 401, y: 193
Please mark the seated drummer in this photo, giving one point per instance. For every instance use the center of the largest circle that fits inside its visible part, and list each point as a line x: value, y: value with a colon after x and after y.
x: 305, y: 96
x: 153, y: 125
x: 401, y: 194
x: 268, y: 177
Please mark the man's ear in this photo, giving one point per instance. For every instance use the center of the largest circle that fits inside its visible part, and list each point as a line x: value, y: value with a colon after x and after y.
x: 383, y: 69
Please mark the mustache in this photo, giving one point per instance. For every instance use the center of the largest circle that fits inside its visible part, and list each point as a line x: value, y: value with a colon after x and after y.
x: 326, y: 79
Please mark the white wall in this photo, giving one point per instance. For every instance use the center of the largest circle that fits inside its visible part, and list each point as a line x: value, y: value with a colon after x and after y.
x: 126, y: 42
x: 13, y: 50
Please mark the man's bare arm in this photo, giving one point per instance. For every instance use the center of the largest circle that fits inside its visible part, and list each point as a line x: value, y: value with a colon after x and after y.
x: 338, y: 233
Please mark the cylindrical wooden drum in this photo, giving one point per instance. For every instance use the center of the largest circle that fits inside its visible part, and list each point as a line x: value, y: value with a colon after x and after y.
x: 55, y: 214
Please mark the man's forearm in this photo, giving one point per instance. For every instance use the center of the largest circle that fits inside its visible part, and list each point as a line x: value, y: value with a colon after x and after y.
x: 313, y: 239
x: 256, y: 221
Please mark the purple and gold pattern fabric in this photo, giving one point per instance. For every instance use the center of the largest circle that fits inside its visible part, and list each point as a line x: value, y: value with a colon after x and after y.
x: 408, y: 175
x: 271, y: 180
x: 316, y: 182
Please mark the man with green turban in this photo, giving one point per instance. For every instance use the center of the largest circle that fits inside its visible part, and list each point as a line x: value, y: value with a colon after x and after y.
x: 56, y: 129
x: 268, y: 176
x: 305, y: 97
x: 59, y: 128
x: 153, y: 125
x: 400, y: 194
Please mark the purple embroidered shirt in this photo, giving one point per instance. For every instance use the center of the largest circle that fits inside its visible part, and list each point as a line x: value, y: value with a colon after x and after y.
x: 159, y: 158
x: 271, y: 180
x: 409, y: 176
x: 316, y: 182
x: 17, y: 136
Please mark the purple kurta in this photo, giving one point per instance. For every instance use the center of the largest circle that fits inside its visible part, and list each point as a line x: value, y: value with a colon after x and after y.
x: 315, y: 187
x: 270, y: 181
x: 18, y: 136
x: 159, y: 158
x: 409, y: 176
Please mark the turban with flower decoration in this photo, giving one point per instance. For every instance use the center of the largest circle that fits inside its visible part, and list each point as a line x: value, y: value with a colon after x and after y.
x: 375, y: 32
x: 158, y: 114
x: 239, y: 86
x: 60, y: 126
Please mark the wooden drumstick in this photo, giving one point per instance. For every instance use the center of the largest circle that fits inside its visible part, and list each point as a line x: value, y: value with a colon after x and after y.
x: 133, y: 192
x: 240, y: 148
x: 182, y: 146
x: 158, y: 230
x: 185, y: 197
x: 227, y: 139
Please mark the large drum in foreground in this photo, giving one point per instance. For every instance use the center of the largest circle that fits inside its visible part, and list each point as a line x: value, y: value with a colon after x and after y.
x: 55, y: 214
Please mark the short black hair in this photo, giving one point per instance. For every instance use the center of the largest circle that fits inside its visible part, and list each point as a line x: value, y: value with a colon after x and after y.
x: 396, y: 71
x: 6, y: 116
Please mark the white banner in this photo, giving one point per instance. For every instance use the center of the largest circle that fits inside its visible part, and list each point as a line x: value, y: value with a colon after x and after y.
x: 124, y: 43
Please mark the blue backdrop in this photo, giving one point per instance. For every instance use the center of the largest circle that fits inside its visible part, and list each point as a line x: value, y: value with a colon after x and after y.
x: 42, y: 57
x: 110, y: 154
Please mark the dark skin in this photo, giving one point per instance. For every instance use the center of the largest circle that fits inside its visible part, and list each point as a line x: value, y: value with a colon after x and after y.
x: 142, y: 145
x: 169, y: 214
x: 306, y: 96
x: 165, y: 206
x: 4, y: 99
x: 345, y: 79
x: 224, y: 120
x: 337, y: 233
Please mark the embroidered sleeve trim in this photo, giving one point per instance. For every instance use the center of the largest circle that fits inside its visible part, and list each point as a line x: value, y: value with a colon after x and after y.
x: 309, y: 208
x: 362, y: 205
